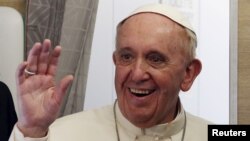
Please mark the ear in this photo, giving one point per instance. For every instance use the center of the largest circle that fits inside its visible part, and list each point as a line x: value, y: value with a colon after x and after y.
x: 192, y: 71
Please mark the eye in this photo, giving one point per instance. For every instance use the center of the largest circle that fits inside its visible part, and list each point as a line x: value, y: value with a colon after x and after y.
x: 156, y: 59
x: 124, y: 57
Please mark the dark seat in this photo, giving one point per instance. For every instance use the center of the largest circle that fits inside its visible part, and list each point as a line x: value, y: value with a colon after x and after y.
x: 8, y: 116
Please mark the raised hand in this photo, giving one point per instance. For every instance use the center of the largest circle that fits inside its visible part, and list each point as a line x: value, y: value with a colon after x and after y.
x: 39, y: 97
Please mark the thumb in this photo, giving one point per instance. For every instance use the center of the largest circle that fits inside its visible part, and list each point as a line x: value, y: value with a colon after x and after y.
x: 62, y: 88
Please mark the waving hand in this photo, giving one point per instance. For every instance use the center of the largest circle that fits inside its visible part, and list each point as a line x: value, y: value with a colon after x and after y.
x: 39, y: 96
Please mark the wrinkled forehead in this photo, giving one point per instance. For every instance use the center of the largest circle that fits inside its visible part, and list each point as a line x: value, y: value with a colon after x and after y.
x: 164, y: 10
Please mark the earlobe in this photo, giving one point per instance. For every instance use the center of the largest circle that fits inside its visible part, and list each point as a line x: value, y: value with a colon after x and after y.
x: 192, y: 71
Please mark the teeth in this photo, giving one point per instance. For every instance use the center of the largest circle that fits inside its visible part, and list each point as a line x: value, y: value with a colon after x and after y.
x: 139, y: 91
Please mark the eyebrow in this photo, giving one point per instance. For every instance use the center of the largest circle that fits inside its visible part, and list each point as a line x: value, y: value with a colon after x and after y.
x: 123, y: 49
x: 158, y: 53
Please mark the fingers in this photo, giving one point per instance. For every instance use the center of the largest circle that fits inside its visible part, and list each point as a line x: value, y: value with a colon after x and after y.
x: 33, y: 57
x: 41, y: 61
x: 54, y: 61
x: 20, y: 72
x: 44, y: 57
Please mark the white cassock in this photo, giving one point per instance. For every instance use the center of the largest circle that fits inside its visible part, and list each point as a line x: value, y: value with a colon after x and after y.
x: 100, y: 125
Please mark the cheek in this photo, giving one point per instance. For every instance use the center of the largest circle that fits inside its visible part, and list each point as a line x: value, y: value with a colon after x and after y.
x: 121, y: 75
x: 168, y: 81
x: 162, y: 78
x: 169, y: 87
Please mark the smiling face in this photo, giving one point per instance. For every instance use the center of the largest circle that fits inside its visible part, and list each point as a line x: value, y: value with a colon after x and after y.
x: 151, y: 68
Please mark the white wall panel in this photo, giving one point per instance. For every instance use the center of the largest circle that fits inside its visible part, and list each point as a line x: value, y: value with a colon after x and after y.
x: 214, y: 53
x: 11, y: 47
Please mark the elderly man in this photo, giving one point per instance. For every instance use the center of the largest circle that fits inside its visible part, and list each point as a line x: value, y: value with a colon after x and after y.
x: 154, y: 59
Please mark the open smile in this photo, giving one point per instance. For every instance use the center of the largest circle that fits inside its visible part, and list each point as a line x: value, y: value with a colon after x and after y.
x: 141, y: 92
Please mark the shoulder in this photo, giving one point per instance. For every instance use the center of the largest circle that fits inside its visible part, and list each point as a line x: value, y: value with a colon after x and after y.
x: 3, y: 86
x: 196, y: 128
x: 196, y: 121
x: 1, y: 83
x: 83, y: 125
x: 96, y: 115
x: 5, y: 93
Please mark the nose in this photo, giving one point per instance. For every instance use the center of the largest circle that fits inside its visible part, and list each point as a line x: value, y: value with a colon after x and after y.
x: 139, y: 72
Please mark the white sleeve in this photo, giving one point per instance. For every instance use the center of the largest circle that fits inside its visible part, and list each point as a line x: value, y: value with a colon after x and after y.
x: 17, y: 135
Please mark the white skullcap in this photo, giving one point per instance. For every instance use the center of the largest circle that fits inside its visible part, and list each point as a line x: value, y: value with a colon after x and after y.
x: 165, y: 10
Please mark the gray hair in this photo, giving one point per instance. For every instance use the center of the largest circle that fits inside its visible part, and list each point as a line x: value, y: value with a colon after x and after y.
x: 191, y: 40
x: 192, y: 43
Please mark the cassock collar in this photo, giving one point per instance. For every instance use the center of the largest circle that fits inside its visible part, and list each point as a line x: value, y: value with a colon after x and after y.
x: 165, y: 130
